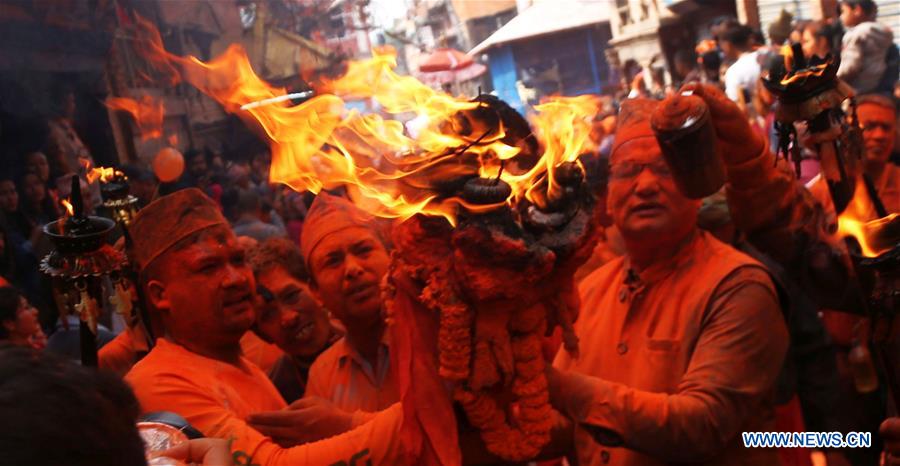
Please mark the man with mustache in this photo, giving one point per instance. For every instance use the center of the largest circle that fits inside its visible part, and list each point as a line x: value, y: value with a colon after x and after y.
x: 198, y: 286
x: 347, y: 261
x: 878, y: 119
x: 683, y: 337
x: 291, y: 316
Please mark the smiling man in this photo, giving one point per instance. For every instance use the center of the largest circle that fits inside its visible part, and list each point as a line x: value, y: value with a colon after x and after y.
x: 290, y: 316
x: 347, y: 261
x: 684, y: 334
x: 199, y: 287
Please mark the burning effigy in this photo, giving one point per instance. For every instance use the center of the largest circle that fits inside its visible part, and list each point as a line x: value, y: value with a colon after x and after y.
x: 494, y: 217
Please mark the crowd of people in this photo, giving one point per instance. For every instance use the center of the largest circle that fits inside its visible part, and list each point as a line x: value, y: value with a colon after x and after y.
x: 699, y: 319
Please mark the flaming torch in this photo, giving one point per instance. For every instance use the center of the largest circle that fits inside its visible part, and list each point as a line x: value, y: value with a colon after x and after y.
x: 115, y: 191
x: 811, y: 93
x: 497, y: 290
x: 79, y: 264
x: 874, y: 247
x: 497, y: 219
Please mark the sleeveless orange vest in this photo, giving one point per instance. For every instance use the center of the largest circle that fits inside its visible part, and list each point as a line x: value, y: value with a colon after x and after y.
x: 642, y: 334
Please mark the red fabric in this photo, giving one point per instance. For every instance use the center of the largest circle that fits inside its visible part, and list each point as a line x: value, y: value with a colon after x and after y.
x: 445, y: 59
x: 428, y: 429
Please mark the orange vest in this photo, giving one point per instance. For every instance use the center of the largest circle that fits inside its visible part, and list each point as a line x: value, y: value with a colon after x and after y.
x: 644, y: 337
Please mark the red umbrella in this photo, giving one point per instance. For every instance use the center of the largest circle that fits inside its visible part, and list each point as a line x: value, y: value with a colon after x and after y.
x: 445, y: 59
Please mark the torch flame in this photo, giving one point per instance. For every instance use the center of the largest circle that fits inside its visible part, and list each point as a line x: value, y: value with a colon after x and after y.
x: 148, y: 114
x: 389, y: 169
x: 793, y: 75
x: 104, y: 174
x: 70, y: 211
x: 859, y: 221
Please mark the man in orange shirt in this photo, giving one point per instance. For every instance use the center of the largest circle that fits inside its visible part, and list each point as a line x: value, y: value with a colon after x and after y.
x: 197, y: 283
x: 683, y: 336
x: 347, y: 261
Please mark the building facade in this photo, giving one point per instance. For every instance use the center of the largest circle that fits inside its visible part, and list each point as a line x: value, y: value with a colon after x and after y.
x: 646, y: 34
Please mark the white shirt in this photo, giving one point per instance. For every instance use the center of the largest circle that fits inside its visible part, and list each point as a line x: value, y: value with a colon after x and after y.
x: 742, y: 75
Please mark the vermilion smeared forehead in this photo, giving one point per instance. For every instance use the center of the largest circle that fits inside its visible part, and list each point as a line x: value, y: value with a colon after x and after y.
x: 633, y: 124
x: 643, y: 149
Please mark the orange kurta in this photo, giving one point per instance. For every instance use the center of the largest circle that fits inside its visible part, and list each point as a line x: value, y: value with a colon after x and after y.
x: 216, y: 397
x: 681, y: 358
x: 342, y: 376
x: 259, y: 352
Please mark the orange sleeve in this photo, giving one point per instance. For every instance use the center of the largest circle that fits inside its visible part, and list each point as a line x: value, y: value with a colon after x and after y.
x: 375, y: 442
x: 783, y: 219
x: 737, y: 358
x: 768, y: 203
x: 119, y: 354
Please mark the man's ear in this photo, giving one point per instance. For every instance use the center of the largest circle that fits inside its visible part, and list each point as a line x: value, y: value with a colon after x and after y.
x: 157, y: 296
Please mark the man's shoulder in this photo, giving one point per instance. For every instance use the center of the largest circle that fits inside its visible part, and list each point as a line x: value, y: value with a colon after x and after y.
x: 602, y: 273
x: 726, y: 257
x: 164, y: 360
x: 330, y: 358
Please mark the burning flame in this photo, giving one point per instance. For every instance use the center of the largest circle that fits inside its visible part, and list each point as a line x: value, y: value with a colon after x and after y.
x: 391, y: 169
x: 147, y: 113
x: 859, y: 221
x: 104, y: 174
x: 70, y: 211
x: 793, y: 75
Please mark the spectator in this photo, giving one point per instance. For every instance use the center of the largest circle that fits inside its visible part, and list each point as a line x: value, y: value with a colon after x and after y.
x: 38, y: 207
x: 239, y: 175
x: 780, y: 29
x: 865, y: 46
x: 741, y: 77
x: 55, y: 412
x: 710, y: 61
x: 249, y: 218
x: 19, y: 320
x: 197, y: 167
x: 36, y: 162
x: 686, y: 66
x: 347, y: 261
x: 796, y: 36
x: 292, y: 318
x: 64, y: 145
x: 816, y: 39
x: 9, y: 204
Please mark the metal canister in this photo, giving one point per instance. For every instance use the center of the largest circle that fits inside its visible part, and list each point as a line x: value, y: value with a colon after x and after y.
x: 685, y: 133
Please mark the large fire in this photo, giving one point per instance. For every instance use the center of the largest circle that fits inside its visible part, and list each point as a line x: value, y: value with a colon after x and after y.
x: 860, y: 221
x: 392, y: 169
x: 148, y: 113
